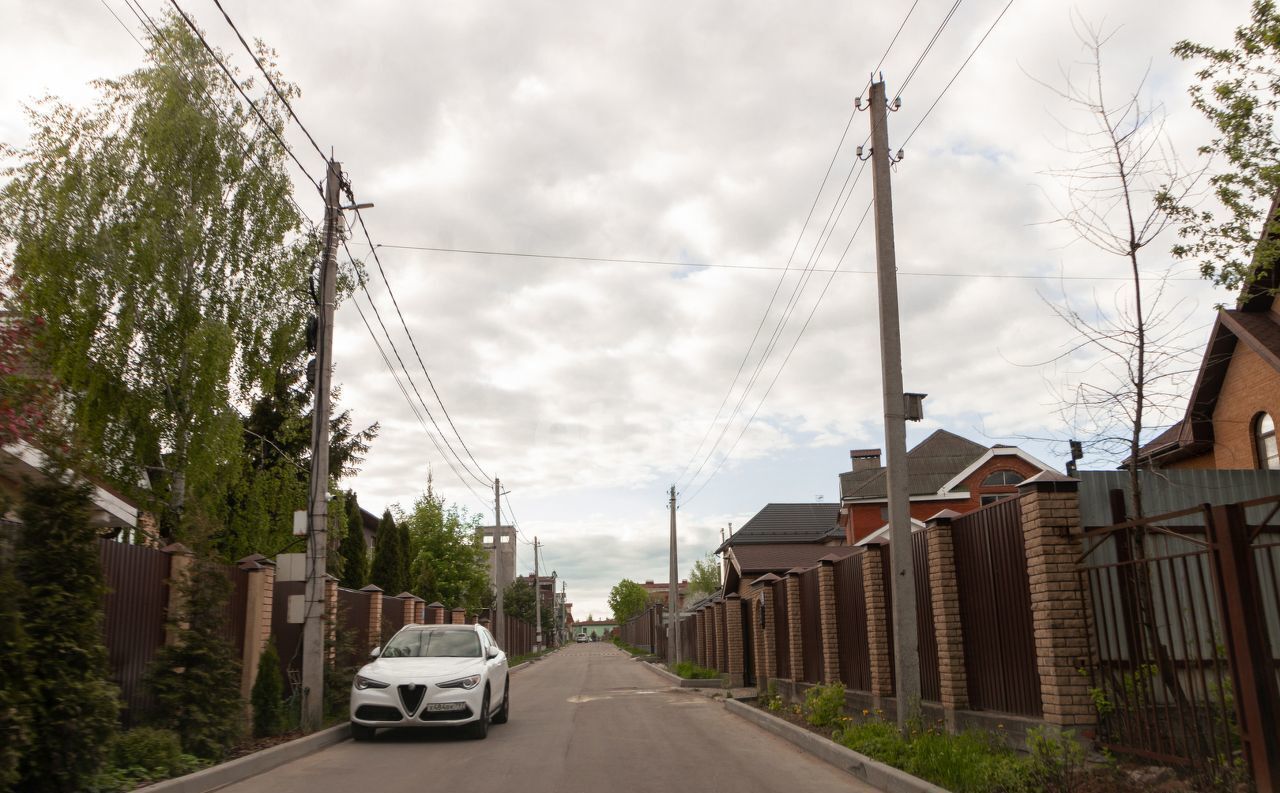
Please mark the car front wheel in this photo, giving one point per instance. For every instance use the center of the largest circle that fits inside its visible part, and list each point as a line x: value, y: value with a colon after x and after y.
x: 503, y: 713
x: 480, y: 727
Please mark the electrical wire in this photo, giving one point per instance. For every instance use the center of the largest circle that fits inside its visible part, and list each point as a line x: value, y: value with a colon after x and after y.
x: 928, y: 47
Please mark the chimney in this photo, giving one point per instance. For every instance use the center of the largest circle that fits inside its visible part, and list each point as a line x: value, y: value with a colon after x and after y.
x: 865, y: 459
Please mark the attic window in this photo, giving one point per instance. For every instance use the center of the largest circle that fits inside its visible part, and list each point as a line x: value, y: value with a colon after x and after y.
x: 1264, y: 439
x: 1004, y: 478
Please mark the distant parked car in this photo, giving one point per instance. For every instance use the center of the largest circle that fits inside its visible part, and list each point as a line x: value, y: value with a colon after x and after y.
x: 432, y: 676
x: 582, y: 637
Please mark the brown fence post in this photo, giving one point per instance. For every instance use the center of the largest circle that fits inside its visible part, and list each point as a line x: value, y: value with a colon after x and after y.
x: 1249, y: 650
x: 180, y: 560
x: 375, y: 617
x: 257, y: 617
x: 795, y: 639
x: 1052, y: 535
x: 767, y: 659
x: 717, y: 627
x: 953, y: 686
x: 732, y: 610
x: 873, y: 586
x: 827, y: 616
x: 459, y: 616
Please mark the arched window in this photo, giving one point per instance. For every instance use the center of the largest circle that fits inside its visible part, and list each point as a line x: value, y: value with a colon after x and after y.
x: 1264, y: 441
x: 1003, y: 478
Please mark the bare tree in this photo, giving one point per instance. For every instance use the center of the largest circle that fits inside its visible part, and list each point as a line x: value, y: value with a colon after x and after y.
x: 1137, y: 344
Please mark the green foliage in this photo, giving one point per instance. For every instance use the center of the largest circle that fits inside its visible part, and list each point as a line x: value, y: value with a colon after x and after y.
x: 1057, y: 758
x: 629, y: 648
x: 196, y: 680
x: 389, y: 558
x: 1238, y: 92
x: 449, y: 563
x: 142, y: 756
x: 268, y: 694
x: 627, y: 599
x: 15, y: 675
x: 341, y: 671
x: 72, y: 709
x: 824, y: 705
x: 355, y: 554
x: 772, y: 702
x: 704, y: 578
x: 878, y: 740
x: 691, y: 671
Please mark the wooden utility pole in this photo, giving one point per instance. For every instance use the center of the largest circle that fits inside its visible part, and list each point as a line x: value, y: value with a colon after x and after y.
x: 313, y: 628
x: 499, y: 618
x: 673, y: 616
x: 537, y: 599
x: 906, y: 657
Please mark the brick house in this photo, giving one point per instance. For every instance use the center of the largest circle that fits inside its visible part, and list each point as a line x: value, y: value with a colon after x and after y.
x: 660, y: 592
x: 1230, y: 421
x: 777, y: 538
x: 944, y: 471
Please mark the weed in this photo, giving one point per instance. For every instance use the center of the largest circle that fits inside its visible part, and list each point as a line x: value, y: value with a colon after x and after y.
x: 824, y: 705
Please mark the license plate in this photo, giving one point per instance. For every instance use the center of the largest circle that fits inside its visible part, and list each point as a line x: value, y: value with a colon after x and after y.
x: 445, y: 706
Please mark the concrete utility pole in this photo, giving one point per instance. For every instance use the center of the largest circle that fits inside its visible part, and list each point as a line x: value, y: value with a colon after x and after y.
x: 906, y: 657
x: 537, y: 599
x: 564, y: 626
x: 673, y: 618
x: 499, y: 618
x: 318, y: 496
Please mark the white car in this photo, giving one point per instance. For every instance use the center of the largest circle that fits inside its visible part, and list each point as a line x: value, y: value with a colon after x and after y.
x: 582, y: 637
x: 432, y: 676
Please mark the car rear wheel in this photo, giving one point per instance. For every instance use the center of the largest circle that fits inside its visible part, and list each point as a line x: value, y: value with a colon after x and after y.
x: 362, y: 732
x: 501, y: 716
x: 479, y: 728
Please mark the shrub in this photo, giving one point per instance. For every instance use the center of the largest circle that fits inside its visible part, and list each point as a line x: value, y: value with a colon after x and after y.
x: 1057, y: 758
x: 970, y: 762
x: 878, y: 740
x: 691, y: 671
x: 196, y: 680
x: 14, y: 677
x: 268, y: 694
x: 147, y: 747
x: 72, y: 707
x: 824, y: 705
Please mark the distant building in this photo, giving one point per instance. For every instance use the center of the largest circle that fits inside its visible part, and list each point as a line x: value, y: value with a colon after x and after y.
x: 661, y: 593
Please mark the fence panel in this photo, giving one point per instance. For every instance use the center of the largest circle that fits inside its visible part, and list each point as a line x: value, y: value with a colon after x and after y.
x: 234, y: 611
x: 811, y: 626
x: 781, y: 630
x: 353, y: 626
x: 393, y: 616
x: 926, y: 637
x: 288, y: 635
x: 995, y: 610
x: 689, y: 639
x: 851, y: 624
x: 133, y: 618
x: 748, y: 641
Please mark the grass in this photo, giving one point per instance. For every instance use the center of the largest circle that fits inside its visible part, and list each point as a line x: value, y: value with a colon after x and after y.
x: 630, y: 648
x: 691, y: 671
x: 512, y: 660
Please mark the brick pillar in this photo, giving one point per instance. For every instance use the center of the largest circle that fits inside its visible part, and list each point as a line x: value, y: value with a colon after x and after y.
x: 828, y: 619
x: 945, y: 600
x: 733, y: 637
x: 257, y: 617
x: 767, y: 654
x: 877, y: 621
x: 709, y: 637
x: 700, y: 632
x: 1052, y: 536
x: 374, y: 615
x: 795, y: 640
x: 435, y: 613
x: 717, y: 624
x: 406, y: 604
x: 459, y: 616
x: 180, y: 560
x: 419, y: 611
x: 331, y: 616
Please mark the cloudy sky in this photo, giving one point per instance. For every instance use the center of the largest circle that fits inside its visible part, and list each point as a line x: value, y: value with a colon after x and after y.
x: 694, y: 136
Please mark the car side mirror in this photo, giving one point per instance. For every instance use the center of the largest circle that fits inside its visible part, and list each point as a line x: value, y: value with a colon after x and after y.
x: 375, y: 652
x: 491, y: 653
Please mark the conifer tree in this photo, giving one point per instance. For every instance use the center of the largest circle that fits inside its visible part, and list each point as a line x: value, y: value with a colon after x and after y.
x: 268, y: 694
x: 389, y: 557
x: 355, y: 573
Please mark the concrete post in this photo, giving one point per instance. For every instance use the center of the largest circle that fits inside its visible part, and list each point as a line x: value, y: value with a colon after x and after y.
x: 944, y: 594
x: 828, y: 616
x: 733, y: 638
x: 459, y: 616
x: 1052, y: 535
x: 180, y: 560
x: 877, y: 622
x: 374, y: 616
x: 795, y: 640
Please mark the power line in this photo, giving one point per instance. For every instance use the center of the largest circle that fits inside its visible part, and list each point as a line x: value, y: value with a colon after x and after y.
x: 892, y: 41
x: 947, y: 87
x: 270, y: 80
x: 225, y: 70
x: 929, y: 47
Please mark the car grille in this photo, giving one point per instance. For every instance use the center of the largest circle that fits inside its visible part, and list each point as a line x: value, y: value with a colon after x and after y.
x: 378, y: 713
x: 411, y: 696
x: 445, y: 715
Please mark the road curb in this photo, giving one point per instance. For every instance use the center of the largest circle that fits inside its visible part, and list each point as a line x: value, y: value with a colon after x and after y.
x: 519, y: 666
x: 251, y: 765
x: 677, y: 680
x: 873, y: 772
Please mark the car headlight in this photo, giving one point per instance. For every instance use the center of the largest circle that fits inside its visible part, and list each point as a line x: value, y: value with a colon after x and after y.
x: 463, y: 682
x: 362, y: 682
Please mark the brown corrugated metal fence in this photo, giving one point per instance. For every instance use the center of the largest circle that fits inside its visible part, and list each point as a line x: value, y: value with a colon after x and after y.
x: 851, y: 623
x: 810, y: 626
x: 133, y: 618
x: 781, y: 629
x: 926, y: 637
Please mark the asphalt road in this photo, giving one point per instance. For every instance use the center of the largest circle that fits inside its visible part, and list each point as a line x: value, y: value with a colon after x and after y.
x: 586, y: 718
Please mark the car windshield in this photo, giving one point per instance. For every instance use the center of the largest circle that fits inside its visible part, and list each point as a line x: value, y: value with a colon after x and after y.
x: 433, y: 644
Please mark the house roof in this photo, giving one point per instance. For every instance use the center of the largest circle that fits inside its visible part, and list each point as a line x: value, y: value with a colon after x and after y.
x: 753, y: 559
x: 930, y: 465
x: 787, y: 523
